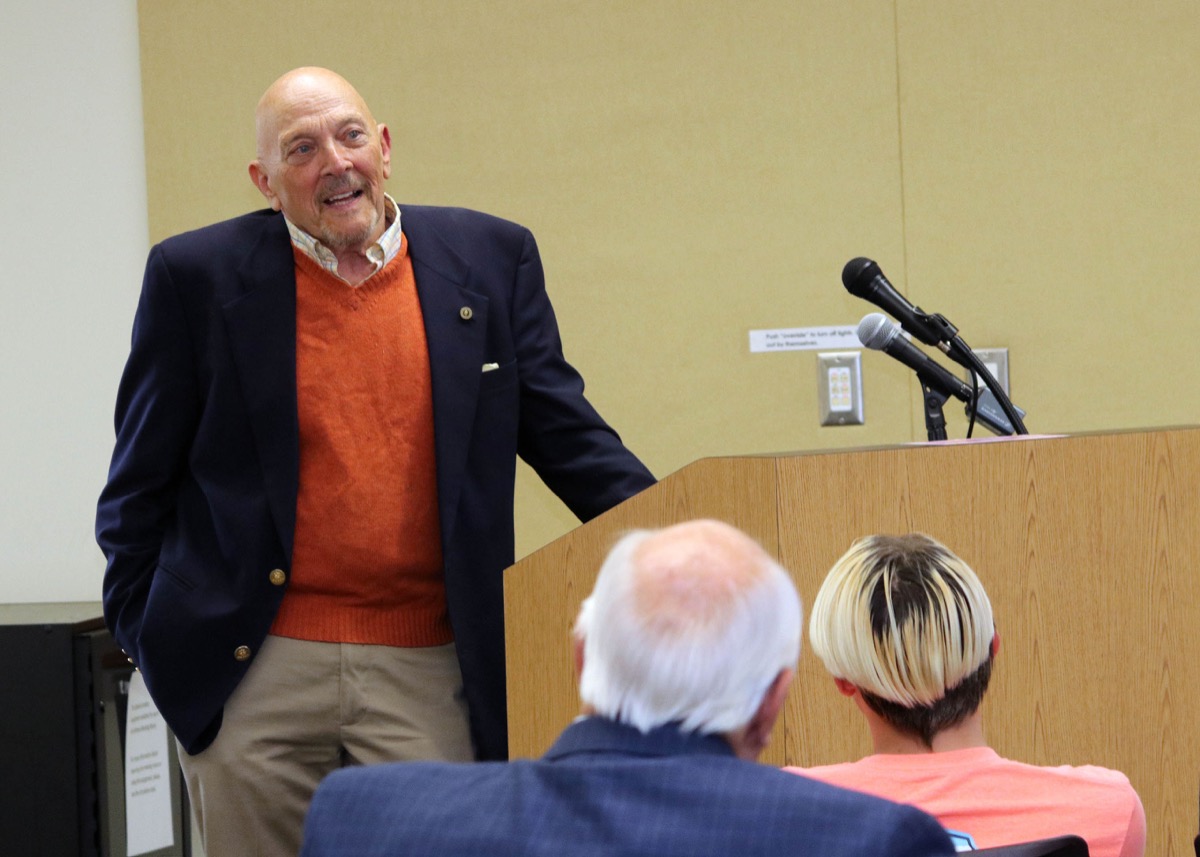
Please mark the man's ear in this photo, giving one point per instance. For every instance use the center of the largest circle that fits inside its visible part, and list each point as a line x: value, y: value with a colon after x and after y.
x: 578, y: 651
x: 995, y: 643
x: 845, y: 688
x: 385, y: 144
x: 757, y: 733
x: 258, y: 175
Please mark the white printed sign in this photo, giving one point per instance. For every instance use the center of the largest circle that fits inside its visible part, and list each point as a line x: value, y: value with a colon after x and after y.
x: 148, y: 823
x: 804, y: 338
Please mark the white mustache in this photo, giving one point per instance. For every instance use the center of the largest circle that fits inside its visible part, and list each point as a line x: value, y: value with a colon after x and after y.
x: 337, y: 187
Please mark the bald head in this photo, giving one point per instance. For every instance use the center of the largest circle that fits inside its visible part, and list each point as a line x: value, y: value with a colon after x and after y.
x: 305, y: 89
x: 321, y: 158
x: 689, y: 624
x: 685, y: 579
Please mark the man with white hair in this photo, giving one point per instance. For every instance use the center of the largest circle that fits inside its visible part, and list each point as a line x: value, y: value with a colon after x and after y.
x: 686, y: 649
x: 906, y: 629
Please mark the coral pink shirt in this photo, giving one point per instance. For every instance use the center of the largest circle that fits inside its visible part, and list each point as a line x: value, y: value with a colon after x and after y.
x: 1001, y: 802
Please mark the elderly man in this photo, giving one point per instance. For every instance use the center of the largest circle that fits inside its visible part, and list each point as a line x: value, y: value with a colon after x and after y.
x: 906, y: 629
x: 311, y: 497
x: 686, y: 648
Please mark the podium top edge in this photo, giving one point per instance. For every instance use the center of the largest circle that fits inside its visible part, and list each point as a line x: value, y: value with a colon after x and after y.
x: 956, y: 443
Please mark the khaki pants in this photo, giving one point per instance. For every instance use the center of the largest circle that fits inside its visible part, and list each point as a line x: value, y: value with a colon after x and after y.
x: 304, y: 709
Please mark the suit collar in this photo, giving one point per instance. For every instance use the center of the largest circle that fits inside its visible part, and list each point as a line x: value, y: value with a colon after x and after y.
x: 600, y: 735
x: 429, y: 249
x: 270, y: 258
x: 456, y: 324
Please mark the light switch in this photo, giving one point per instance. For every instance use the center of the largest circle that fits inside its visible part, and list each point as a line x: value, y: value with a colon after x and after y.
x: 839, y: 388
x: 995, y: 360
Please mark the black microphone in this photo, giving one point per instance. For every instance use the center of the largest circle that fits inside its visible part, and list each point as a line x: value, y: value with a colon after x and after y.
x: 863, y: 279
x: 878, y: 332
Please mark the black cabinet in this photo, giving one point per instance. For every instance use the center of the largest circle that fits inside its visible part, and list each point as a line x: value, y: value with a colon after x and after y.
x: 64, y: 687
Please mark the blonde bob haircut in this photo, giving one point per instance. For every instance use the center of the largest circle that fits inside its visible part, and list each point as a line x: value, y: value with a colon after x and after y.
x: 903, y: 619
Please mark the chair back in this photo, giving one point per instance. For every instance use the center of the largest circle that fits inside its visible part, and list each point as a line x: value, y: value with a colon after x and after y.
x: 1059, y: 846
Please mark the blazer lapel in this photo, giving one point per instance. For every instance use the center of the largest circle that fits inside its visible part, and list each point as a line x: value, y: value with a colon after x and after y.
x: 261, y: 325
x: 456, y: 321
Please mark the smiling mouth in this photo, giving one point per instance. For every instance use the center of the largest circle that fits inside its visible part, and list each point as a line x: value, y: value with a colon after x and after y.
x: 341, y: 198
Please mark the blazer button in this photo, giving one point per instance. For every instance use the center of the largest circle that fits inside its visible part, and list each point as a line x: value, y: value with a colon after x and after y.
x: 277, y: 576
x: 241, y: 653
x: 466, y: 313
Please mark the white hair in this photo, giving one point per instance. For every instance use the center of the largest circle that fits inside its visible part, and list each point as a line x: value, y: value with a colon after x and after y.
x: 689, y: 625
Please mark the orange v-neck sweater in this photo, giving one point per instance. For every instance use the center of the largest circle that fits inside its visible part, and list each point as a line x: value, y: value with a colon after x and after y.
x: 367, y: 558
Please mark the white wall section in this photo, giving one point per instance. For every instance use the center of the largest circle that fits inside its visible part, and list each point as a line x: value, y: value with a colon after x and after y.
x: 74, y: 228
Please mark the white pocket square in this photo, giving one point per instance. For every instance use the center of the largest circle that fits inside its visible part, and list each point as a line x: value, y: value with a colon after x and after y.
x: 488, y: 367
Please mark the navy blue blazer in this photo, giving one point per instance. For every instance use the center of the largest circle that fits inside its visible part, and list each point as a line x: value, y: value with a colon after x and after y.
x: 606, y: 789
x: 200, y: 503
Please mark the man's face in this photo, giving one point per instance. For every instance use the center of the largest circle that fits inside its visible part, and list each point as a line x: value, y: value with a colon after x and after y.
x: 322, y: 160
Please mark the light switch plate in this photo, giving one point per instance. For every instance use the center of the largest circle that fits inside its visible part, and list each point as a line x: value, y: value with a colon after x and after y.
x: 996, y: 361
x: 839, y: 388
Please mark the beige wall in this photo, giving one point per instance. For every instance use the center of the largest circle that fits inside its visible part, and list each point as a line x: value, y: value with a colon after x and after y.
x: 695, y: 170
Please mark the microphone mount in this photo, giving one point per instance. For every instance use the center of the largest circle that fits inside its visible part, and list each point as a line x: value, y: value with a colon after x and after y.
x: 864, y: 279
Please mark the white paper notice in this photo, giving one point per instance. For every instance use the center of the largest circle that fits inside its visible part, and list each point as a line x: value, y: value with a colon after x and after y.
x: 804, y: 338
x: 148, y: 822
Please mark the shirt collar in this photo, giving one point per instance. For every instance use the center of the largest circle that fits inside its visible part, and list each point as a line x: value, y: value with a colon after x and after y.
x: 378, y: 254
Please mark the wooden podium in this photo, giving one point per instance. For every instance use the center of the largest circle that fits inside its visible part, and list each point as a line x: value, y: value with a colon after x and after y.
x: 1087, y: 545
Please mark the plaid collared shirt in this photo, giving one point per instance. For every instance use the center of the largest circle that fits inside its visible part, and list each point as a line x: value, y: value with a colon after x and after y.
x: 378, y: 254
